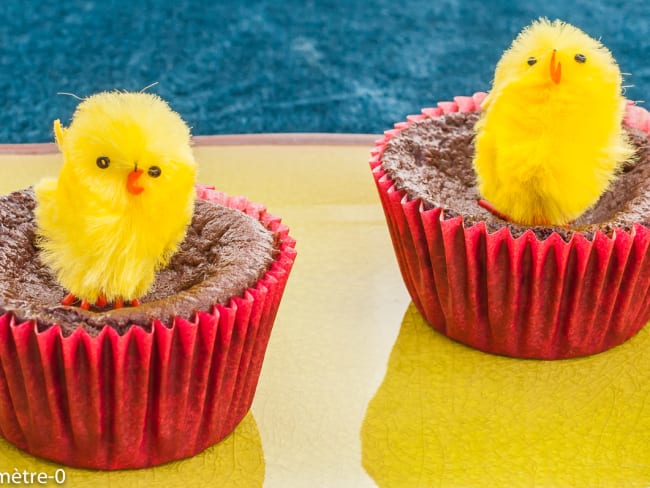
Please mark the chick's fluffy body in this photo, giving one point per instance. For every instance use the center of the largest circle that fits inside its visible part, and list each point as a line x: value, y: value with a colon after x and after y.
x: 546, y: 150
x: 97, y: 237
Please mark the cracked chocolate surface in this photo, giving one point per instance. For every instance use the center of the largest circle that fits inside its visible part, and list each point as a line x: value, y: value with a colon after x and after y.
x: 432, y: 160
x: 224, y: 252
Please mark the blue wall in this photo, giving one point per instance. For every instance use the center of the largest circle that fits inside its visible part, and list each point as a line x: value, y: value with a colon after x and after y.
x: 279, y: 66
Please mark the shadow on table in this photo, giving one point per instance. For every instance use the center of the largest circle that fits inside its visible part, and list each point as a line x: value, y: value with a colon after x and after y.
x: 238, y: 460
x: 446, y: 415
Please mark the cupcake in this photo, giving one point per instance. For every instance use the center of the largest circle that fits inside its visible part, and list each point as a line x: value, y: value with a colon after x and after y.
x: 522, y: 290
x: 102, y: 385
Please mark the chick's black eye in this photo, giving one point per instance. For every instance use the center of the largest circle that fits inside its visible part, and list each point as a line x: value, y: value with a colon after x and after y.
x: 103, y: 162
x: 580, y: 58
x: 531, y: 61
x: 154, y: 171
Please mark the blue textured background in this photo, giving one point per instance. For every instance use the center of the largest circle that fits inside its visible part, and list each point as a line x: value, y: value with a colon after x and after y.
x: 279, y: 66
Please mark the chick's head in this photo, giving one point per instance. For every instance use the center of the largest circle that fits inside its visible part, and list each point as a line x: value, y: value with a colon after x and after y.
x: 550, y: 59
x: 127, y: 151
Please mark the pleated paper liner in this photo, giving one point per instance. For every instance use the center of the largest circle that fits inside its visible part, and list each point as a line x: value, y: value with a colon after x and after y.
x: 143, y: 398
x: 520, y: 297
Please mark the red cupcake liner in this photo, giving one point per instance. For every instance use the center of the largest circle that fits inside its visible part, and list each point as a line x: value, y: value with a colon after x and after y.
x: 143, y: 398
x: 520, y: 297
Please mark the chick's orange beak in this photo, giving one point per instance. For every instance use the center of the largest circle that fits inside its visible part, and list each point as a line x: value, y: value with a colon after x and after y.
x: 132, y: 182
x: 556, y: 70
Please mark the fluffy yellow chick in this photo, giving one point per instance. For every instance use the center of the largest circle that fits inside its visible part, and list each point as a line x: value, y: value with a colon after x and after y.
x: 550, y: 139
x: 123, y: 199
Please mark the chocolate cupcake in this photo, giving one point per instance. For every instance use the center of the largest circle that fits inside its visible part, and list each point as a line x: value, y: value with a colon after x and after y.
x: 139, y: 386
x: 535, y: 292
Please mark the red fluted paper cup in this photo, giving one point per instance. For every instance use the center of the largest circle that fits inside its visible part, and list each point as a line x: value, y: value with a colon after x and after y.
x: 522, y: 297
x: 143, y: 398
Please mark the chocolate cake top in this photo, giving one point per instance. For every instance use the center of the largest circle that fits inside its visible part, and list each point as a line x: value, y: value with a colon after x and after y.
x: 432, y: 160
x: 224, y: 252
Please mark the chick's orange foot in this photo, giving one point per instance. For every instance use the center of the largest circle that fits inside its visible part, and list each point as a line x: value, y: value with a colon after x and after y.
x: 490, y: 208
x: 101, y: 303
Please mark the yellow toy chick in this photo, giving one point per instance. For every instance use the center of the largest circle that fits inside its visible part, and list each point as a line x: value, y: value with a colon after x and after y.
x: 550, y: 139
x: 123, y: 199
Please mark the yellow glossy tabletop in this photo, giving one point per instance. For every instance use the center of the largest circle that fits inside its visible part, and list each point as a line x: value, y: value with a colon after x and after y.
x: 356, y: 390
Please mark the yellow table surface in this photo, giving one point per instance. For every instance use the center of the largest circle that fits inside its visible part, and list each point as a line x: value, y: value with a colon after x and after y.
x: 357, y: 391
